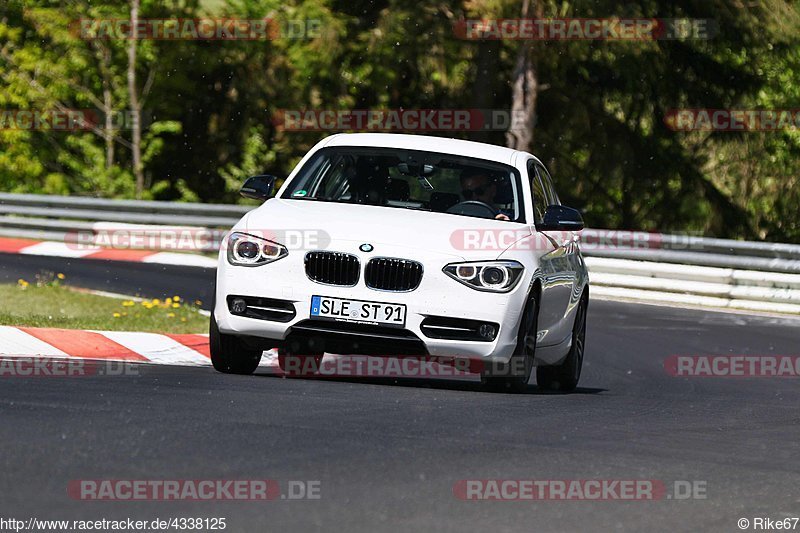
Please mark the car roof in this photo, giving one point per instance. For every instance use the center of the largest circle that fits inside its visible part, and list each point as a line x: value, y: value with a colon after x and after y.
x: 427, y: 143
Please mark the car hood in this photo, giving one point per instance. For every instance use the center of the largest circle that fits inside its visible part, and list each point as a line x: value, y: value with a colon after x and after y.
x: 309, y: 224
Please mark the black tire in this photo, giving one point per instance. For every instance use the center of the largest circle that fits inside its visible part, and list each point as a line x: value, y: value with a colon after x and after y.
x: 229, y: 355
x: 514, y: 376
x: 565, y: 376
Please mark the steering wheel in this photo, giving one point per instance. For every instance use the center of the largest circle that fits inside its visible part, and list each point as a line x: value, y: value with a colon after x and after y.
x: 474, y: 208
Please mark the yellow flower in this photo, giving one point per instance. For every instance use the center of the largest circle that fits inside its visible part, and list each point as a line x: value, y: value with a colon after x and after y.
x: 60, y: 275
x: 116, y: 315
x: 183, y: 319
x: 170, y: 315
x: 124, y: 314
x: 128, y: 303
x: 156, y: 301
x: 176, y: 305
x: 168, y: 301
x: 176, y: 298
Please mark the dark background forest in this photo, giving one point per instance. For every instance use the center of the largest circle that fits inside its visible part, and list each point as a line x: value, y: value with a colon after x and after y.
x: 207, y: 107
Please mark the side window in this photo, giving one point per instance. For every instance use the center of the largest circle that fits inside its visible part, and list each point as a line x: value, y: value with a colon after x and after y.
x: 552, y: 197
x: 539, y: 195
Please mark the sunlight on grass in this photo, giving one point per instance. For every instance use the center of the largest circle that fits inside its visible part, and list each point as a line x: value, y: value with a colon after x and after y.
x: 45, y: 302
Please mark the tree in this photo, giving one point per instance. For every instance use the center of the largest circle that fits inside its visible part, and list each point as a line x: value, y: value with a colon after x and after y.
x: 524, y: 89
x: 593, y: 111
x: 136, y: 110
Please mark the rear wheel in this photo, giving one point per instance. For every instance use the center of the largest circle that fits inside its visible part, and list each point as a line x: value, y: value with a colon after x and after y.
x: 514, y: 375
x: 229, y: 354
x: 565, y: 377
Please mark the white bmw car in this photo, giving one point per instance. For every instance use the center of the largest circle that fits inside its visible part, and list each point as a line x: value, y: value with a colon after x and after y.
x: 401, y: 245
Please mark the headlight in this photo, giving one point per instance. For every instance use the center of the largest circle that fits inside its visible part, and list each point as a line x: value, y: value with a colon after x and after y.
x: 247, y: 250
x: 491, y: 276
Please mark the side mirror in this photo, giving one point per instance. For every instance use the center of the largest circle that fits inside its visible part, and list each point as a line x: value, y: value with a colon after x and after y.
x: 561, y: 218
x: 258, y: 187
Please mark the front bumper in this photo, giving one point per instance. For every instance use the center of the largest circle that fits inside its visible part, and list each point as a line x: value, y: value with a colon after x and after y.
x: 437, y: 296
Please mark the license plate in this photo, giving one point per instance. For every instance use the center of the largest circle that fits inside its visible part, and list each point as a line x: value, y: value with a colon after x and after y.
x: 359, y: 311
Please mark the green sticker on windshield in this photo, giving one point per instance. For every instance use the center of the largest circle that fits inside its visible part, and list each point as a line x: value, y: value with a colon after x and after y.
x: 301, y: 192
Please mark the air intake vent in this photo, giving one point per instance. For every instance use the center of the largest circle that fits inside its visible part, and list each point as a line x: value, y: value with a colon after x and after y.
x: 261, y: 308
x: 458, y: 329
x: 387, y: 274
x: 332, y: 268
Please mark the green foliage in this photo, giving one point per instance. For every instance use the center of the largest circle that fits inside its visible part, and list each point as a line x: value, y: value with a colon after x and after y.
x: 209, y: 106
x: 256, y: 155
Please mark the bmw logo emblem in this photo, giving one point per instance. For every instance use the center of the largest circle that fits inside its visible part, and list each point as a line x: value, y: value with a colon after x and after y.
x: 366, y: 247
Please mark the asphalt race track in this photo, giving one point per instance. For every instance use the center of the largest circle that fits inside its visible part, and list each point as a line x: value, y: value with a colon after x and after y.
x: 387, y: 454
x: 142, y: 279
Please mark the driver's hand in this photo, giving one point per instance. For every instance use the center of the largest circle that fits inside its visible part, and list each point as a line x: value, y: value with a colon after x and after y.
x: 501, y: 216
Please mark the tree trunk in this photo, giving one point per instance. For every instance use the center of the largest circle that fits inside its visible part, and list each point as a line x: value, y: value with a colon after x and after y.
x: 484, y: 88
x: 524, y: 89
x: 108, y: 106
x: 136, y: 127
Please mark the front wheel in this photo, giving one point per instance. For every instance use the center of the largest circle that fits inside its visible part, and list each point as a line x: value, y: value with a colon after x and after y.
x: 514, y: 375
x: 564, y: 377
x: 229, y: 355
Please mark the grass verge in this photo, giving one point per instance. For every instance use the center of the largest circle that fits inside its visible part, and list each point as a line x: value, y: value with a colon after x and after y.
x: 49, y: 304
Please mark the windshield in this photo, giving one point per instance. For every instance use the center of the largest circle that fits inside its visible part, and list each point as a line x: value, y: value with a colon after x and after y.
x: 410, y: 179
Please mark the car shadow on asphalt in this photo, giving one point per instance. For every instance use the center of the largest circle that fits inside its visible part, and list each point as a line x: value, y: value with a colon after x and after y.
x: 438, y: 384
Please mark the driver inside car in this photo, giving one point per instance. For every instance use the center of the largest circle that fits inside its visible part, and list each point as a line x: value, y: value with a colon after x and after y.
x: 369, y: 181
x: 476, y: 185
